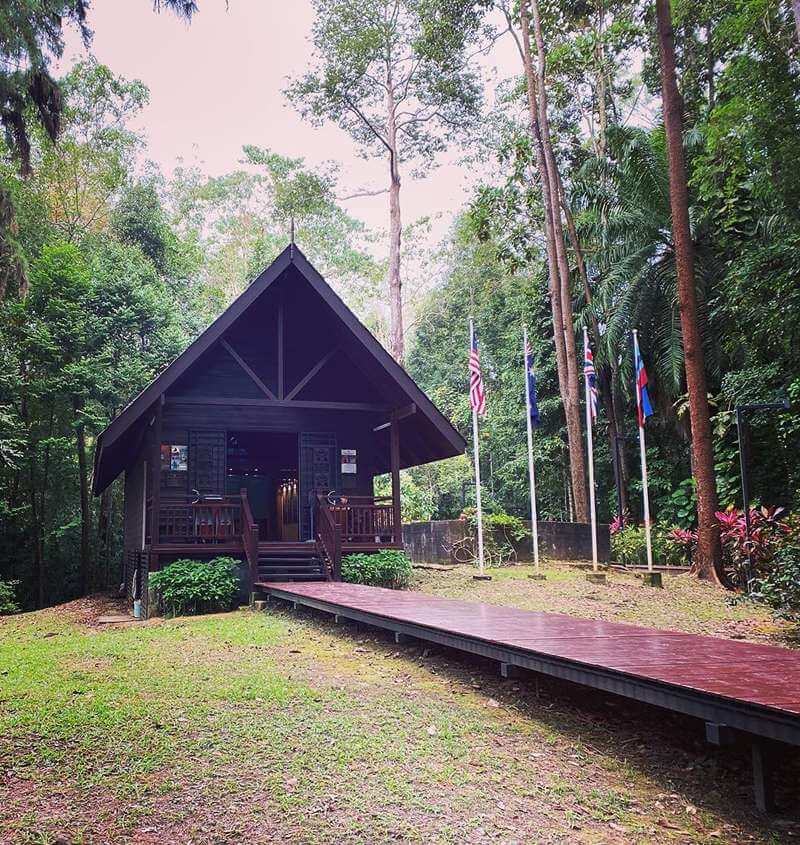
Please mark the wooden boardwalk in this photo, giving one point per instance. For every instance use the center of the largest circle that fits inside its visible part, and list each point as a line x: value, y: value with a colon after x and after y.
x: 733, y: 686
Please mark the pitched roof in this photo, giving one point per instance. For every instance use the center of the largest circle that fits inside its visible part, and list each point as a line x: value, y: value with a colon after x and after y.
x: 124, y: 430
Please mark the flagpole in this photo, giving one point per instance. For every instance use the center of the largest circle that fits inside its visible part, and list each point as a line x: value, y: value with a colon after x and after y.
x: 531, y: 473
x: 590, y: 446
x: 476, y: 458
x: 643, y: 456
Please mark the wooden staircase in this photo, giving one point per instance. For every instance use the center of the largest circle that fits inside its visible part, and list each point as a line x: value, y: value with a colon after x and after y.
x: 291, y: 561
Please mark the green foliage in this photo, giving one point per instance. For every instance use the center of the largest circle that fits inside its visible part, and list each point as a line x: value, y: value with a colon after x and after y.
x: 680, y: 508
x: 434, y: 90
x: 389, y: 568
x: 780, y: 587
x: 8, y: 598
x: 511, y: 527
x: 629, y: 547
x: 501, y: 533
x: 196, y: 586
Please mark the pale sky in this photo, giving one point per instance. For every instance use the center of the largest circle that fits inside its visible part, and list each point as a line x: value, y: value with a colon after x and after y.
x: 217, y: 84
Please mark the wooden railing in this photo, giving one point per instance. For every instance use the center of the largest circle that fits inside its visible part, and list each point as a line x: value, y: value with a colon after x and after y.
x: 328, y: 537
x: 365, y: 519
x: 206, y: 521
x: 249, y: 536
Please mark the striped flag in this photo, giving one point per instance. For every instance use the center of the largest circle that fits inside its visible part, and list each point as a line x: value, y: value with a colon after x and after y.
x: 643, y: 407
x: 477, y: 395
x: 591, y: 379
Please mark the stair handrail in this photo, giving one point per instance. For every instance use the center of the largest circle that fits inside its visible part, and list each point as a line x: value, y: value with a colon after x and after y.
x: 329, y: 537
x: 249, y: 536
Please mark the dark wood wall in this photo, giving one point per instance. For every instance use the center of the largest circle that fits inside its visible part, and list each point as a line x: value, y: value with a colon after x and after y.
x: 351, y: 429
x: 133, y: 525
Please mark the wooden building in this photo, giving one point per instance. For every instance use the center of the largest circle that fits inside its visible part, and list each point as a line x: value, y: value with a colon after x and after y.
x: 263, y: 438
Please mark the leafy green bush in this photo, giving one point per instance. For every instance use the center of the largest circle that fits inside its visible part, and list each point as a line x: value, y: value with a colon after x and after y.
x: 501, y: 531
x: 780, y: 587
x: 629, y: 547
x: 512, y: 527
x: 680, y: 509
x: 389, y: 568
x: 8, y: 598
x: 196, y: 586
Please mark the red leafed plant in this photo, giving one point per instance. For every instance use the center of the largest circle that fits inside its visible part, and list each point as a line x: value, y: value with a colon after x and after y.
x: 766, y: 530
x: 616, y: 525
x: 687, y: 540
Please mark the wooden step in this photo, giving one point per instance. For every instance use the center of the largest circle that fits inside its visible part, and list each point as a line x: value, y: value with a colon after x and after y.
x: 287, y: 558
x: 287, y: 546
x: 264, y: 580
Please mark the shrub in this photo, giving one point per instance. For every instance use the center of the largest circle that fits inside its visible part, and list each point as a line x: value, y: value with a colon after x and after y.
x: 629, y: 547
x: 500, y: 532
x: 767, y: 534
x: 389, y: 568
x: 681, y: 507
x: 780, y: 587
x: 8, y: 598
x: 196, y: 586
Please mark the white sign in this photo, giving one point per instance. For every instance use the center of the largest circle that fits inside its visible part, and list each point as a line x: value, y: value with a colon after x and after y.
x: 349, y: 463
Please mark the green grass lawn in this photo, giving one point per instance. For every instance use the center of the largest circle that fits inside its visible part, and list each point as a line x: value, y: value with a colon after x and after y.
x: 281, y: 727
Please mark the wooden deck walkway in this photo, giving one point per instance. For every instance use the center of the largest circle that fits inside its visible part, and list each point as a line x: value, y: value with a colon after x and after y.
x: 733, y: 686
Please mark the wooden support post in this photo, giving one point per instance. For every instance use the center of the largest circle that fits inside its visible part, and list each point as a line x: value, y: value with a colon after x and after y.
x: 763, y: 782
x: 718, y: 734
x: 402, y: 639
x: 394, y: 449
x: 509, y: 670
x: 155, y: 487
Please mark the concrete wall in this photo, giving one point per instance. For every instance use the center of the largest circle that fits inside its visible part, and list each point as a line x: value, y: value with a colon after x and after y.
x: 425, y: 541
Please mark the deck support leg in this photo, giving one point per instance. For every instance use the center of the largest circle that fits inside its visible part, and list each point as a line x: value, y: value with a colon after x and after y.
x: 509, y: 671
x: 402, y: 639
x: 720, y: 735
x: 763, y: 765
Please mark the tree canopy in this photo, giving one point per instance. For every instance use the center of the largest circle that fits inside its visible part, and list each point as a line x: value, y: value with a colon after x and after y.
x: 109, y: 267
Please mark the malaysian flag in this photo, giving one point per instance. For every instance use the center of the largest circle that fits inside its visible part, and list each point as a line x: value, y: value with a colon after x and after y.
x: 477, y: 395
x: 591, y: 379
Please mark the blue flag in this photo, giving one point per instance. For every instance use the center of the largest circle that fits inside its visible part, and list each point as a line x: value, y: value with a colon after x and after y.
x: 530, y: 373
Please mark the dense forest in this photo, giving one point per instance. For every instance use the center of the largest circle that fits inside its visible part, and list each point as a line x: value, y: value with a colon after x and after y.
x: 638, y: 171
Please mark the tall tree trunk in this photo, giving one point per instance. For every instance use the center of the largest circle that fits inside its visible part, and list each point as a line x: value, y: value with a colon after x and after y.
x: 796, y: 10
x: 12, y: 266
x: 86, y: 574
x: 708, y: 544
x: 554, y: 283
x: 711, y: 61
x: 396, y: 338
x: 572, y: 406
x: 605, y: 375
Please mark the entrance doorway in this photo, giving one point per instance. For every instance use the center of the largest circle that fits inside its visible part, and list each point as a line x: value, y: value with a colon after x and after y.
x: 265, y: 464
